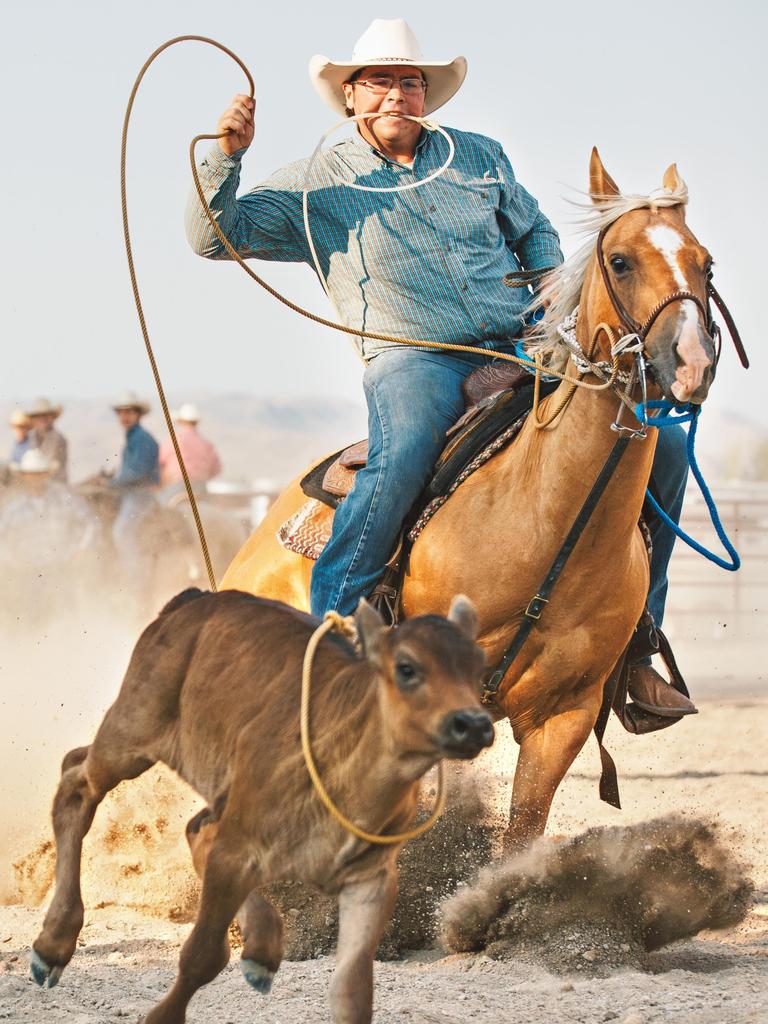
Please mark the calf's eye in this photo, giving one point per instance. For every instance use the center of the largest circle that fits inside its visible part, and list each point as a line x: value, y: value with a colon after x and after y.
x: 406, y: 675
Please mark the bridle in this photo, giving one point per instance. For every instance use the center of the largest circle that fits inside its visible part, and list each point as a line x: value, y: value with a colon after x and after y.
x: 636, y: 334
x: 641, y: 330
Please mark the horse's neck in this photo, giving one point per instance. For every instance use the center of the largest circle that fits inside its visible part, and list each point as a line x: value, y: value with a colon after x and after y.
x: 560, y: 464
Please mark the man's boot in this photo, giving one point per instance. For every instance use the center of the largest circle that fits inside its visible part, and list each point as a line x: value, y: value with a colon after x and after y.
x: 656, y: 704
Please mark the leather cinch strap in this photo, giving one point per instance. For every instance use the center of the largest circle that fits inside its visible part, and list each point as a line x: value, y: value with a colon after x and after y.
x: 608, y: 781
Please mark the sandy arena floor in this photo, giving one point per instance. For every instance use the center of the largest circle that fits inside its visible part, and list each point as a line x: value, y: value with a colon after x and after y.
x: 711, y: 766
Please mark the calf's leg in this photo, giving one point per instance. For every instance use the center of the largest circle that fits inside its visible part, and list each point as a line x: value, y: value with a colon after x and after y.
x: 87, y: 775
x: 229, y: 877
x: 364, y: 910
x: 260, y: 924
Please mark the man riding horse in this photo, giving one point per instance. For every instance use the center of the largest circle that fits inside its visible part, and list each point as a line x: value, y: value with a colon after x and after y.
x: 424, y: 263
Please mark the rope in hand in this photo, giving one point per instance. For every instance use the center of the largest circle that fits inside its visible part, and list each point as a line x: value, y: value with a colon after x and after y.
x: 442, y: 346
x: 333, y: 622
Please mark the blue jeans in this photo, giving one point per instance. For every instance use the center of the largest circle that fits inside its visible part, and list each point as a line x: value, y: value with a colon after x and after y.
x: 413, y: 398
x: 668, y: 479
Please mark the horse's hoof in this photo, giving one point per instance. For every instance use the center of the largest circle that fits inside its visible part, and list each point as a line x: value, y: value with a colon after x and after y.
x: 45, y: 976
x: 257, y: 975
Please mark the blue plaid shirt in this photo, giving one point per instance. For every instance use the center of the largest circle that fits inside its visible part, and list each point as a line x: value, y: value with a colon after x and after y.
x: 425, y: 263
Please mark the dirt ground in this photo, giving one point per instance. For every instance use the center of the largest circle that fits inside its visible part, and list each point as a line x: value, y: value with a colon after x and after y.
x: 712, y: 766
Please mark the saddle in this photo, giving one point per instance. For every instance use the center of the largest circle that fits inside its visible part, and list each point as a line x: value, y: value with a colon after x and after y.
x: 497, y: 401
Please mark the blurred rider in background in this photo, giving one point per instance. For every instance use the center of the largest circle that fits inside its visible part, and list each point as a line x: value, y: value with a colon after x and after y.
x: 200, y: 457
x: 20, y: 426
x: 42, y: 414
x: 42, y: 523
x: 136, y: 481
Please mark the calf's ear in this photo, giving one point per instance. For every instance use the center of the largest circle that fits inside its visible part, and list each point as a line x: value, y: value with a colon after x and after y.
x: 462, y: 614
x: 370, y: 629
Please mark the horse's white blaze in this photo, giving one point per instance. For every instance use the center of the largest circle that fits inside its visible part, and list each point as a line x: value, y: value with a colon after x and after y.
x: 668, y: 242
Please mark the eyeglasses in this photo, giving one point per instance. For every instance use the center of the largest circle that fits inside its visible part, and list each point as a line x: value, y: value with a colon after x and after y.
x: 380, y: 84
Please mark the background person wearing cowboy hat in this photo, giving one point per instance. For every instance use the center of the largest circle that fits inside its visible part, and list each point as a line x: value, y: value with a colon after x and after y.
x: 424, y: 263
x: 200, y: 456
x: 42, y: 415
x: 42, y: 523
x: 136, y: 480
x: 20, y: 426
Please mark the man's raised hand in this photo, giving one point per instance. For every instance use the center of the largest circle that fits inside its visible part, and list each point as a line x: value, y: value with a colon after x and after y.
x: 237, y: 119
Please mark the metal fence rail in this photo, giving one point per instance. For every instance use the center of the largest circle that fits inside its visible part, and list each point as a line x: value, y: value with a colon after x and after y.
x: 702, y: 591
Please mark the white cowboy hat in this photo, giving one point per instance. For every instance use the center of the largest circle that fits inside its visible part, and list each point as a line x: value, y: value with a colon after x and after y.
x: 130, y: 400
x: 19, y: 419
x: 187, y: 413
x: 33, y: 461
x: 41, y: 407
x: 387, y: 42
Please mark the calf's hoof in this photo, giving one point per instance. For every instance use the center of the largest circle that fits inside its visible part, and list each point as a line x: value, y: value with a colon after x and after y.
x: 42, y: 973
x: 257, y: 975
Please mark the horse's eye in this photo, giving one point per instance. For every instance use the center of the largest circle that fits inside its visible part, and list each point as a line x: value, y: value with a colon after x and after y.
x: 619, y: 265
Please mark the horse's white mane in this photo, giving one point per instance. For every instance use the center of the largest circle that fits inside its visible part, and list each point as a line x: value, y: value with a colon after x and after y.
x: 563, y: 287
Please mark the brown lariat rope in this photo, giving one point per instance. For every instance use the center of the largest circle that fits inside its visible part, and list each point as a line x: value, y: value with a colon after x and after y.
x: 134, y: 283
x: 520, y: 280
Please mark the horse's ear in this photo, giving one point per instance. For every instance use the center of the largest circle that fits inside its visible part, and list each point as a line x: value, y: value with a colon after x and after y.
x: 672, y: 179
x: 675, y: 184
x: 601, y: 184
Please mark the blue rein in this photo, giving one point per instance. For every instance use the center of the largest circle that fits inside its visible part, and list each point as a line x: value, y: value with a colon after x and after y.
x: 668, y: 415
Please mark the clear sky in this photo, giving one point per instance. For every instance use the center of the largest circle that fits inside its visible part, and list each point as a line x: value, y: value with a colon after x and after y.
x: 649, y: 84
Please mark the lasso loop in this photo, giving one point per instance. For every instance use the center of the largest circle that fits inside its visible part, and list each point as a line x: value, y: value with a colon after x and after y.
x: 335, y: 622
x: 135, y: 286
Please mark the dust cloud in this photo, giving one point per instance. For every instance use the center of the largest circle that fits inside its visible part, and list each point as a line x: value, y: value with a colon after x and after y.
x: 606, y: 897
x: 64, y: 646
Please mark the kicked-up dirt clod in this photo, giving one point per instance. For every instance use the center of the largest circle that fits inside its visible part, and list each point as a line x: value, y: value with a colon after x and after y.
x: 606, y: 897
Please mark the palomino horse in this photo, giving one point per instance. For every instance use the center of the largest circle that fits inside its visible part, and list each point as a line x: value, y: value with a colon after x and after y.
x: 499, y: 533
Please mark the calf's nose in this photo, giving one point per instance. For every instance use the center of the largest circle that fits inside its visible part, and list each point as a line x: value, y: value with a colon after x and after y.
x: 468, y: 730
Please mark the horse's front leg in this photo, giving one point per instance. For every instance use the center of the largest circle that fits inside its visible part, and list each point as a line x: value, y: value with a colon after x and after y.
x: 546, y: 754
x: 364, y: 910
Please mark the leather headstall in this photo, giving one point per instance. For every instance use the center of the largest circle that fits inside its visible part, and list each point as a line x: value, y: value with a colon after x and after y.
x: 632, y: 326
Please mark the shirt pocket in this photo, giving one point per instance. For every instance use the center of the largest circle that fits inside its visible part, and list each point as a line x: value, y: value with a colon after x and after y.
x: 477, y: 209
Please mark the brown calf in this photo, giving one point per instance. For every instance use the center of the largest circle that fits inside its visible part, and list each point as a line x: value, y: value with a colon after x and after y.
x: 212, y: 690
